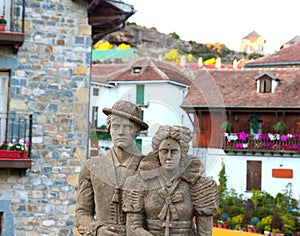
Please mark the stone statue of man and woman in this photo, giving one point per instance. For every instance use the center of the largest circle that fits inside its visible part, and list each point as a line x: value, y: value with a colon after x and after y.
x: 163, y: 193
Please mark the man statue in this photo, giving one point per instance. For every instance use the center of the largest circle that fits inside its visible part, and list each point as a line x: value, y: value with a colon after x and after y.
x: 99, y: 207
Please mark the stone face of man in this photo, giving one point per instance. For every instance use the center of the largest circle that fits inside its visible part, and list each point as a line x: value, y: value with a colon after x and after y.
x: 169, y: 154
x: 123, y: 132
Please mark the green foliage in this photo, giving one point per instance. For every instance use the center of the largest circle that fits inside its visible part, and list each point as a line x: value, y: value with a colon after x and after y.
x: 2, y: 20
x: 154, y: 28
x: 103, y: 134
x: 288, y: 222
x: 267, y: 228
x: 280, y: 127
x: 265, y: 223
x: 207, y: 57
x: 222, y: 187
x: 254, y: 122
x: 237, y: 221
x: 246, y: 220
x: 93, y: 136
x: 276, y: 231
x: 226, y: 126
x: 175, y: 35
x: 255, y: 56
x: 233, y: 203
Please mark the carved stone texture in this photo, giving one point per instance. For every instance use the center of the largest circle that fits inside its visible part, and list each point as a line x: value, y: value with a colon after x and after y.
x: 169, y: 195
x: 98, y: 207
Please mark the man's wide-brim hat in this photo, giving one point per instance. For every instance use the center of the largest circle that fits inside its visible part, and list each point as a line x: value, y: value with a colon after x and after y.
x: 127, y: 110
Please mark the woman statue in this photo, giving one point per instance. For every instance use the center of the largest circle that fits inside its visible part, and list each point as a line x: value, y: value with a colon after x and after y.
x: 169, y: 196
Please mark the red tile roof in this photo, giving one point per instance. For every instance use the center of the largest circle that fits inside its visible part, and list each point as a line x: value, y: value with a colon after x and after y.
x: 252, y: 34
x: 237, y: 89
x: 287, y: 56
x: 152, y: 70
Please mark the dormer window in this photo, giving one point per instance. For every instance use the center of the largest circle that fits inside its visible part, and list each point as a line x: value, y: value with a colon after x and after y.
x: 137, y: 70
x: 266, y: 83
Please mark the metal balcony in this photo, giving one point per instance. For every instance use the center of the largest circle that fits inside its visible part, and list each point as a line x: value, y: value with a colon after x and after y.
x: 15, y: 141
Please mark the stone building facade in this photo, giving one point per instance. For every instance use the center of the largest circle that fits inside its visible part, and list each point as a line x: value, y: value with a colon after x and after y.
x: 48, y: 77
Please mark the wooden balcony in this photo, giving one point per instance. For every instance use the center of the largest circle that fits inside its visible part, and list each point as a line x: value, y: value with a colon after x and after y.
x: 262, y: 144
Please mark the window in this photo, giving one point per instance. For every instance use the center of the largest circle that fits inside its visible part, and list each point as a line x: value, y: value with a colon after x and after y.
x: 139, y: 144
x: 140, y: 94
x: 265, y: 85
x: 4, y: 76
x: 1, y: 214
x: 253, y: 175
x: 137, y: 70
x: 256, y: 130
x: 95, y: 92
x: 255, y: 124
x: 5, y: 10
x: 95, y: 117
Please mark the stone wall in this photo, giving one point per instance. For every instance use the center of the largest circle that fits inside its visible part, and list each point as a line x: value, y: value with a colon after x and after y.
x: 51, y: 81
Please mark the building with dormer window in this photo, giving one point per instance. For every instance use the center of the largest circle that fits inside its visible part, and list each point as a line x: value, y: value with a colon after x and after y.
x: 250, y: 119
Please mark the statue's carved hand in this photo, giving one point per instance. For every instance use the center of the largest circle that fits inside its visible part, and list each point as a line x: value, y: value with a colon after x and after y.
x: 85, y: 231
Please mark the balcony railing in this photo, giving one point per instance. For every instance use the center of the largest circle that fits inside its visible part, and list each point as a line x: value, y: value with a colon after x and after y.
x: 14, y: 14
x: 262, y: 143
x: 15, y: 140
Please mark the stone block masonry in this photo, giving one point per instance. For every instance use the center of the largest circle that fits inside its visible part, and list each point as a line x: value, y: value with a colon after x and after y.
x: 51, y: 82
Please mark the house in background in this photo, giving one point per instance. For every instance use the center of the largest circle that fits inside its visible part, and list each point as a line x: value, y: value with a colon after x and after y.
x: 294, y: 40
x: 253, y: 43
x: 45, y: 64
x: 252, y: 101
x: 157, y: 87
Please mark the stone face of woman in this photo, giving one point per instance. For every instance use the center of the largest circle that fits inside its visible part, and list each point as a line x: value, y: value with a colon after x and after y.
x: 169, y: 154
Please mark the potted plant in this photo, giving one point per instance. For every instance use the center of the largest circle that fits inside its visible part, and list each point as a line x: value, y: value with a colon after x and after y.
x: 224, y: 218
x: 280, y: 127
x: 246, y: 221
x: 230, y: 223
x: 253, y: 222
x: 287, y: 232
x: 2, y: 23
x: 226, y: 127
x: 276, y: 224
x: 276, y: 232
x: 237, y: 221
x: 267, y: 230
x: 260, y: 227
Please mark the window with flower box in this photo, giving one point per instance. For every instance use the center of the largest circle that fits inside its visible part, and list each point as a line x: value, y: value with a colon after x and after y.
x: 15, y: 140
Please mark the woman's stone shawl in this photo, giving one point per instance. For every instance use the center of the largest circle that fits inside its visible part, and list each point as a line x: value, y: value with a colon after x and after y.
x: 203, y: 191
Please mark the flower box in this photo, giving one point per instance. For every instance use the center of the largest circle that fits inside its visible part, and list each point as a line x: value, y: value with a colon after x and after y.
x: 13, y: 154
x: 14, y: 159
x: 262, y: 143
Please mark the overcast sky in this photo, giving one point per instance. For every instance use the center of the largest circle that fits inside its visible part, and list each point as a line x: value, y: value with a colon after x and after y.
x: 223, y: 21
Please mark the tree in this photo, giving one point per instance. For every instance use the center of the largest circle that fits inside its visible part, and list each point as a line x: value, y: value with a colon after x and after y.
x: 222, y: 187
x: 172, y: 56
x: 175, y: 35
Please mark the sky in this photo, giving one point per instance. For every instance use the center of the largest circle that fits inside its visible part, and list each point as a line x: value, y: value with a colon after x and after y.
x: 223, y: 21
